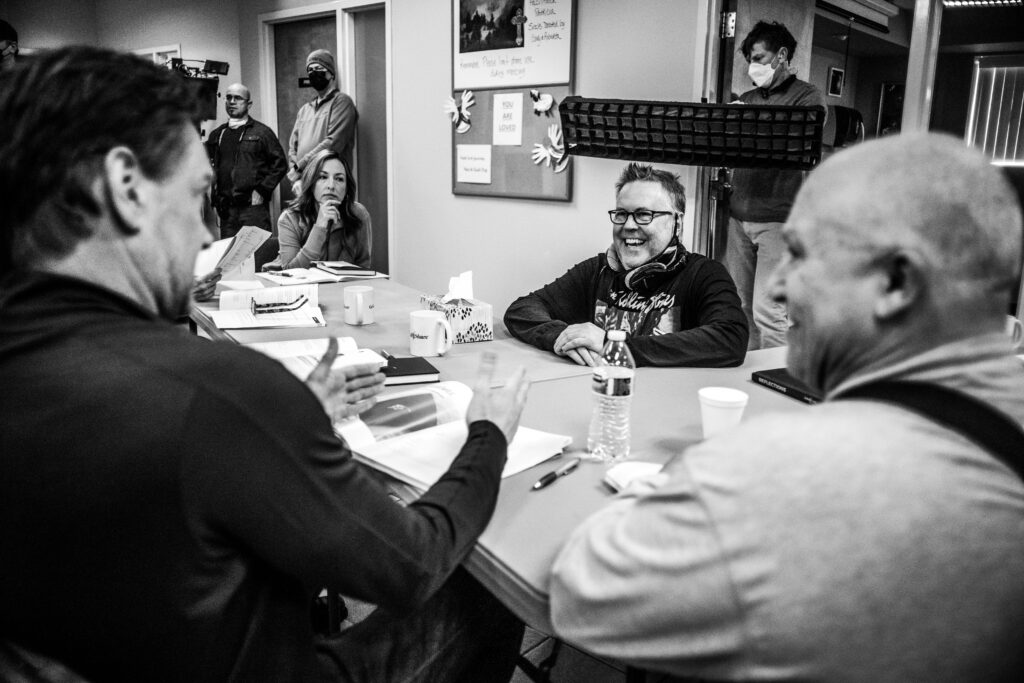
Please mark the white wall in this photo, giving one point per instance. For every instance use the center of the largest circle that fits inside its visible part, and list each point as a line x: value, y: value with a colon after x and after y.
x: 206, y: 29
x: 514, y: 246
x: 41, y: 27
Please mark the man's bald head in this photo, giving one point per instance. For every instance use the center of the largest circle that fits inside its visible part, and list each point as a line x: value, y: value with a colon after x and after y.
x: 237, y: 101
x: 930, y: 193
x: 895, y: 246
x: 240, y: 90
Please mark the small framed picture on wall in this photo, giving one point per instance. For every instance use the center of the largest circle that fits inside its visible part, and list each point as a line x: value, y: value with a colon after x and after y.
x: 836, y: 76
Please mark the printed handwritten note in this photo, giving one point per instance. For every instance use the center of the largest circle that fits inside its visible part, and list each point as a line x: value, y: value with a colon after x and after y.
x: 501, y: 45
x: 508, y: 119
x: 473, y: 164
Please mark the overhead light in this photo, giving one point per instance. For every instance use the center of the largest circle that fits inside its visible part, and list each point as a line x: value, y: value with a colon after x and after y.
x: 982, y: 3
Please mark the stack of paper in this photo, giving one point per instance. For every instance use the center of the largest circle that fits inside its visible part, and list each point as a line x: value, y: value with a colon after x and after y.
x: 228, y: 254
x: 236, y: 308
x: 300, y: 356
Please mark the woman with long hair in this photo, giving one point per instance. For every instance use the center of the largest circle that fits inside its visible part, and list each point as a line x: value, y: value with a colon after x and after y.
x: 324, y: 223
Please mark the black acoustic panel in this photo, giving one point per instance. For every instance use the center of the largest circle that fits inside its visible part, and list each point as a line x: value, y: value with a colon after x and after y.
x: 733, y: 135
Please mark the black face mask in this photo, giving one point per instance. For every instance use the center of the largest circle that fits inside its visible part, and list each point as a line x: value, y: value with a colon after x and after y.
x: 318, y: 79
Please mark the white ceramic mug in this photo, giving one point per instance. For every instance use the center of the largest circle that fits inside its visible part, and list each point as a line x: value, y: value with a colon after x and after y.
x: 358, y: 305
x: 1015, y: 331
x: 429, y: 333
x: 720, y: 408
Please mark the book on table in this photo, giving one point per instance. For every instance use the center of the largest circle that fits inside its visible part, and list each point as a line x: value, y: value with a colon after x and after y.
x: 781, y: 381
x: 346, y: 269
x: 298, y: 276
x: 412, y: 370
x: 295, y: 306
x: 415, y: 434
x: 301, y: 356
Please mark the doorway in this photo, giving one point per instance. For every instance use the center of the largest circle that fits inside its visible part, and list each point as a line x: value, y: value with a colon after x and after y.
x: 355, y: 32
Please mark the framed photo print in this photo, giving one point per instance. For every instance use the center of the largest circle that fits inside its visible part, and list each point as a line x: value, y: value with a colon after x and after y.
x: 836, y: 76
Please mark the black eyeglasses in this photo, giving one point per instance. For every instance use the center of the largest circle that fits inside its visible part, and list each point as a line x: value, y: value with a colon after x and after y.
x: 640, y: 216
x: 235, y: 98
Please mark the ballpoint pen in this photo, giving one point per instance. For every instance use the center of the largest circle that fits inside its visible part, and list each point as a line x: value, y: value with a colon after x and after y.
x: 550, y: 477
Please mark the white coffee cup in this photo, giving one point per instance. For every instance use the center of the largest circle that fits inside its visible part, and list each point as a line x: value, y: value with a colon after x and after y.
x: 720, y: 408
x: 358, y: 305
x: 429, y: 333
x: 1015, y: 331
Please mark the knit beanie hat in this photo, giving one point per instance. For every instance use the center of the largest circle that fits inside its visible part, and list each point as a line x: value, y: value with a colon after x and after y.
x: 7, y: 32
x: 323, y: 58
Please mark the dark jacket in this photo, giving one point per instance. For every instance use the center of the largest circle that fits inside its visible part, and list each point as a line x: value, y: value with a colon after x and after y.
x: 699, y: 304
x: 161, y: 525
x: 259, y: 163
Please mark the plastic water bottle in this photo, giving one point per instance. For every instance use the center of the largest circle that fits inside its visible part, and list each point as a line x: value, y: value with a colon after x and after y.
x: 612, y: 386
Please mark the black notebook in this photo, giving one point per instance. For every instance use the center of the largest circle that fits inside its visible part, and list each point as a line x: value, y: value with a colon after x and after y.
x: 412, y: 370
x: 781, y: 381
x: 345, y: 268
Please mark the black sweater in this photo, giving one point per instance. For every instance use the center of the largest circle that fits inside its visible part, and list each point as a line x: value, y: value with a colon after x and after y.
x: 700, y: 303
x: 171, y: 504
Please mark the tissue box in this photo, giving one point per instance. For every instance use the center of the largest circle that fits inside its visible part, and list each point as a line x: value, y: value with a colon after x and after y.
x: 472, y: 320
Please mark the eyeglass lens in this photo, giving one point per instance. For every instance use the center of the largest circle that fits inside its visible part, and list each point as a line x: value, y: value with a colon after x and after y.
x: 642, y: 216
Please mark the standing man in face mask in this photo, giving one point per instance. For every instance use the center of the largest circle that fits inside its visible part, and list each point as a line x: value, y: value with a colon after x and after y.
x: 248, y: 163
x: 327, y: 122
x: 761, y: 197
x: 8, y: 45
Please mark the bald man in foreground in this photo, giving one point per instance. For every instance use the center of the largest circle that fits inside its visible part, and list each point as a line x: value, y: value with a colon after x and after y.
x: 857, y: 539
x: 248, y: 163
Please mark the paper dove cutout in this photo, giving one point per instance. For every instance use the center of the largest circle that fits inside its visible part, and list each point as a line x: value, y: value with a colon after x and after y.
x: 553, y: 154
x: 542, y: 102
x: 460, y: 112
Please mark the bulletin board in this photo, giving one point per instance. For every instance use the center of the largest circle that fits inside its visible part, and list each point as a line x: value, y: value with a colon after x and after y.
x: 512, y: 63
x: 481, y: 167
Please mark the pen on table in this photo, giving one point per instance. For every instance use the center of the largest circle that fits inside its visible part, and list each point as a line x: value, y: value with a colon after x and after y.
x: 550, y: 477
x: 386, y: 354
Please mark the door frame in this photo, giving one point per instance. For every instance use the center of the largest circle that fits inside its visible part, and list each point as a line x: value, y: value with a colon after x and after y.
x: 342, y: 10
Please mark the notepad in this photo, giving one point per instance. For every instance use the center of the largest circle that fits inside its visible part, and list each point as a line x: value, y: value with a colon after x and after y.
x: 421, y: 458
x: 301, y: 356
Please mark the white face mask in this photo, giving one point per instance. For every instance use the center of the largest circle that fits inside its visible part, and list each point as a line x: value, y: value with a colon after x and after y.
x: 761, y: 74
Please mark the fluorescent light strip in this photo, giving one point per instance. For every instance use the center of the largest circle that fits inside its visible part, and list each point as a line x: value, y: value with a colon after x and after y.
x: 982, y: 3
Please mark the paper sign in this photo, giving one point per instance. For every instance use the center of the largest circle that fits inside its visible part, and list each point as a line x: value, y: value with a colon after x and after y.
x: 473, y: 164
x: 508, y: 119
x: 509, y: 44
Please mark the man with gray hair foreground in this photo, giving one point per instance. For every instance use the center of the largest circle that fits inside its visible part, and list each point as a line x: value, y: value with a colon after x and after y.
x: 171, y: 505
x: 856, y: 540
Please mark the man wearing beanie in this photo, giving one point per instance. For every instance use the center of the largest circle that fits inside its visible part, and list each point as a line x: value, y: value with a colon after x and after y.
x: 8, y: 44
x: 326, y: 122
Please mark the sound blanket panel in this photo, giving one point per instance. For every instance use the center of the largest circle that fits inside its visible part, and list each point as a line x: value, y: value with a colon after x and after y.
x: 694, y: 134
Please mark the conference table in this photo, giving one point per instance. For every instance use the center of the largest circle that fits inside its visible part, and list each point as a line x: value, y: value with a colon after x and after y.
x: 514, y: 555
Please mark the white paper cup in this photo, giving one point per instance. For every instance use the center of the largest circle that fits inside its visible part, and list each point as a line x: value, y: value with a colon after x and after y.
x: 720, y: 408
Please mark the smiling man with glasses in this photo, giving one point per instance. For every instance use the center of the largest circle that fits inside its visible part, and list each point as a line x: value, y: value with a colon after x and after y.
x: 676, y: 307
